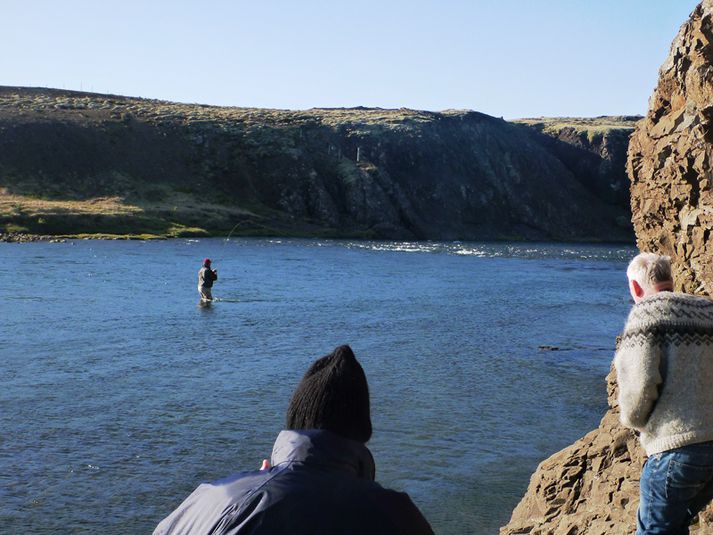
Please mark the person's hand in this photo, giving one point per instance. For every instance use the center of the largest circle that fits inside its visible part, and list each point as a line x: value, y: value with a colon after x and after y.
x: 265, y: 465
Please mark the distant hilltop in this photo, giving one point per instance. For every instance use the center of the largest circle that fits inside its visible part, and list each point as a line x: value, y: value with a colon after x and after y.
x: 74, y: 163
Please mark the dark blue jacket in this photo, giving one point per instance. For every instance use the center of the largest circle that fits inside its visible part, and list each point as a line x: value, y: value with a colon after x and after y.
x: 319, y: 483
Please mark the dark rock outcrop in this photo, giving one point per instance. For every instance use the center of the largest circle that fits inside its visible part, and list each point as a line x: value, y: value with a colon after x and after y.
x: 594, y: 150
x: 592, y: 486
x: 182, y: 168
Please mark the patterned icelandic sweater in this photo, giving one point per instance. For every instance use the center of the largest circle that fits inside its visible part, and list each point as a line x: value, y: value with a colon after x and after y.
x: 664, y: 368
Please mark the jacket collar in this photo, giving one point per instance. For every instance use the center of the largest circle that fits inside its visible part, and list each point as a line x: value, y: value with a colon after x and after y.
x: 317, y: 446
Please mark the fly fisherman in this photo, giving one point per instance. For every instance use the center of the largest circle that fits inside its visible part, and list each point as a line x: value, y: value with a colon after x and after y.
x: 206, y: 276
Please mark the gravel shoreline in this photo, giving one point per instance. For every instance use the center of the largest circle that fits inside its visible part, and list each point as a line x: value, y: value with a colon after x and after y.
x: 20, y: 237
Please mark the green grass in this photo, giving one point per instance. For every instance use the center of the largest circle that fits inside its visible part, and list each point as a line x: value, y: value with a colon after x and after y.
x: 12, y: 228
x: 593, y: 128
x: 165, y: 213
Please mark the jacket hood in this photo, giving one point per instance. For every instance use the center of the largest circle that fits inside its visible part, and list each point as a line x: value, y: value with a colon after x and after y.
x: 321, y: 447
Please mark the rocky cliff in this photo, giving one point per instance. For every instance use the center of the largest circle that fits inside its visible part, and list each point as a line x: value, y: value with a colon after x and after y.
x: 77, y: 162
x: 592, y: 486
x: 670, y: 158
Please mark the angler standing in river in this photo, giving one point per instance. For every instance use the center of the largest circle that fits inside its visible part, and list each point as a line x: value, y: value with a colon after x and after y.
x: 206, y: 277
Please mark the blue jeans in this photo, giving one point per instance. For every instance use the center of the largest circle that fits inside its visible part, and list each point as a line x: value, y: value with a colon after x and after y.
x: 675, y: 486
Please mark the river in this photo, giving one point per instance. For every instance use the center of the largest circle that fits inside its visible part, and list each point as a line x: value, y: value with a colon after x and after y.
x: 120, y: 394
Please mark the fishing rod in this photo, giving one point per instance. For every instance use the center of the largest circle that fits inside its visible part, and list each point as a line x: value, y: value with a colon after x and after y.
x: 232, y: 230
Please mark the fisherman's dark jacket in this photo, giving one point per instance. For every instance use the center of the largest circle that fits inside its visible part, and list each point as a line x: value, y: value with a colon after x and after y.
x: 206, y: 276
x: 318, y: 483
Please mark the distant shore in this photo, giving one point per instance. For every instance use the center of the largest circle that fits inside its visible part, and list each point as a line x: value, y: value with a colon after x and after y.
x: 19, y: 237
x: 22, y: 237
x: 84, y: 164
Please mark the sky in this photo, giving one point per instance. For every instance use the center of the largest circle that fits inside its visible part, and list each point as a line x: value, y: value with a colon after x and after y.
x: 509, y: 58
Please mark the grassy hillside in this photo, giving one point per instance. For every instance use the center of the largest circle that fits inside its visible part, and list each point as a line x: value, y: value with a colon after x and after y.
x: 590, y: 127
x: 76, y: 163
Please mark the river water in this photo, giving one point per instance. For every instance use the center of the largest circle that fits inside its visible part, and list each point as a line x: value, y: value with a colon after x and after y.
x: 120, y: 394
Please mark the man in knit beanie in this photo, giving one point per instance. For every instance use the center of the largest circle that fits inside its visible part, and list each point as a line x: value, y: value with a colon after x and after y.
x: 322, y: 474
x: 664, y: 367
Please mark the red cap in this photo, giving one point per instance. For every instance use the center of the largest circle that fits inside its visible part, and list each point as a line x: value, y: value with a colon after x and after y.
x: 206, y: 261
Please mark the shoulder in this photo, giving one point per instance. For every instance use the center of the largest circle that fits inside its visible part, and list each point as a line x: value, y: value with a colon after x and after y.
x: 207, y: 503
x: 232, y: 488
x: 364, y: 505
x: 668, y: 314
x: 678, y: 307
x: 690, y: 307
x: 667, y: 306
x: 643, y: 325
x: 646, y: 314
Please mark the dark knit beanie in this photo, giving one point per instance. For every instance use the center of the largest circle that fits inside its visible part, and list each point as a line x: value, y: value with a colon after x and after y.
x: 333, y: 395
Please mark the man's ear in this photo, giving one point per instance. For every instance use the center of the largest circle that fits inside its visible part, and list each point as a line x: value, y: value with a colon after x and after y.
x: 638, y: 290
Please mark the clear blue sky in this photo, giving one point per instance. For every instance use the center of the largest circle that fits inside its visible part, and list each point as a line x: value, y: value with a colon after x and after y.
x: 511, y: 58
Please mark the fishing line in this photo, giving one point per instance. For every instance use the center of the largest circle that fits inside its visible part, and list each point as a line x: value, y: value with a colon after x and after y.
x: 232, y: 230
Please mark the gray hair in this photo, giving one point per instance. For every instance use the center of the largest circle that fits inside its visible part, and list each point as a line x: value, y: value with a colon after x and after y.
x: 649, y: 269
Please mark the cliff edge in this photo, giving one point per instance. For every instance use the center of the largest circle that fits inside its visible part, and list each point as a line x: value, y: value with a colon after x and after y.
x: 592, y: 486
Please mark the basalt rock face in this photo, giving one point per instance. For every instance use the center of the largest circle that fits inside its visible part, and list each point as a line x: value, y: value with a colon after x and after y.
x: 670, y: 158
x: 182, y: 168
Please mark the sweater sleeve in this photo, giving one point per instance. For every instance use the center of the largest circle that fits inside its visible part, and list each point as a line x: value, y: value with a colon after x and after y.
x: 637, y: 363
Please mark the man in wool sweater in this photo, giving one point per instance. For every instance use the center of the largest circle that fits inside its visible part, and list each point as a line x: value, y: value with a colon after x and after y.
x: 664, y: 367
x: 322, y: 475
